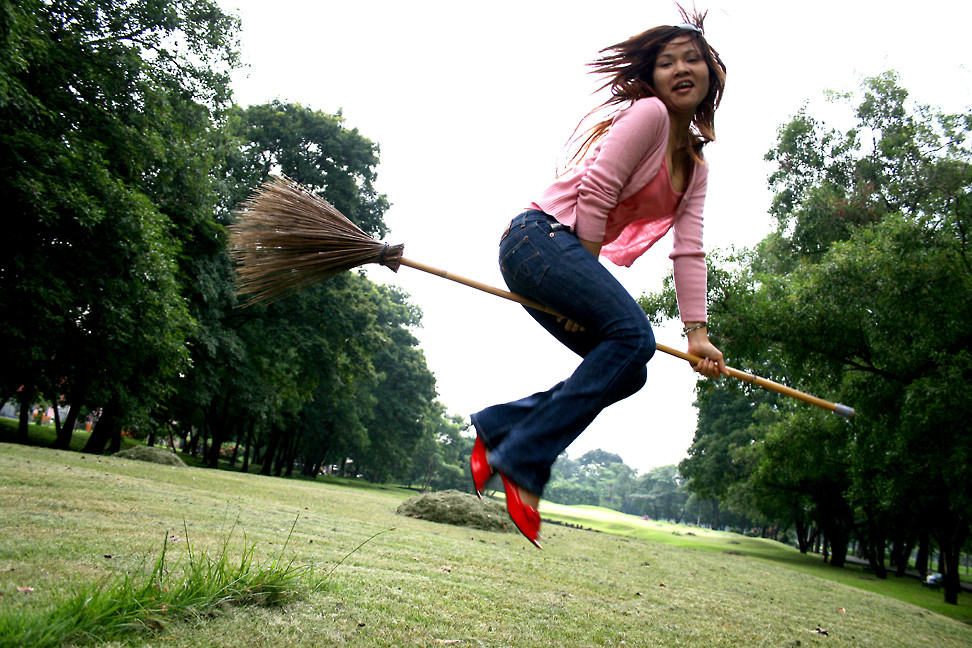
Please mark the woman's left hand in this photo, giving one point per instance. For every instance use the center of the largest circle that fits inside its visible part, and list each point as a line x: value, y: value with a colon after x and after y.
x: 712, y: 364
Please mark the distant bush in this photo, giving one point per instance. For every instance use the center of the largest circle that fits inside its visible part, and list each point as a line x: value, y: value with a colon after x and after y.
x: 457, y: 508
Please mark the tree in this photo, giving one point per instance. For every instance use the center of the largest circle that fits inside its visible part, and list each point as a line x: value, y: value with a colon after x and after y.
x: 332, y: 372
x: 862, y: 294
x: 103, y: 105
x: 659, y: 495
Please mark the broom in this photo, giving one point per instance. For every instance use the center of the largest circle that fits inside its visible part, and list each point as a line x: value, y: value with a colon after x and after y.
x: 287, y: 239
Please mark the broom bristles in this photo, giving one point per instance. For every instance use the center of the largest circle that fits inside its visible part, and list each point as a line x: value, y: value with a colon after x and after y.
x: 286, y: 239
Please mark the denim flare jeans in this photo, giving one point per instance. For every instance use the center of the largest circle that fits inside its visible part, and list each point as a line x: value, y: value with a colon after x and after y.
x: 541, y: 259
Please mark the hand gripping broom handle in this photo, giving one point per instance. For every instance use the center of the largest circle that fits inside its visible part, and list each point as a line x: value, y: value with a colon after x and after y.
x: 837, y: 408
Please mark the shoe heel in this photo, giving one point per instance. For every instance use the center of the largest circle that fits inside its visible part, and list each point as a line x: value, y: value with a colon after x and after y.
x: 525, y: 518
x: 479, y: 467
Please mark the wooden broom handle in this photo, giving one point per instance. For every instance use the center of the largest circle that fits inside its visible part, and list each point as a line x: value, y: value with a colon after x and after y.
x: 837, y: 408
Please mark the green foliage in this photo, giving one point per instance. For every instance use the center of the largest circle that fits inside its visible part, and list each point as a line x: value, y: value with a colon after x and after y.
x: 862, y: 295
x: 121, y: 162
x: 103, y: 108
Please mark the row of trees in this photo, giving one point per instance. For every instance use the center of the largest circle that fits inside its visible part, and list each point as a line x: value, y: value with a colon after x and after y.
x: 601, y: 478
x: 862, y: 293
x: 122, y: 158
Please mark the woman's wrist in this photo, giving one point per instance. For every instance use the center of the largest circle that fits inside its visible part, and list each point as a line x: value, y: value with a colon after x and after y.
x: 689, y: 328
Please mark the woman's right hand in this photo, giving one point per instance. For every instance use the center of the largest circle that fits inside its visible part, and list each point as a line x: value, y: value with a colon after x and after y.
x: 713, y: 363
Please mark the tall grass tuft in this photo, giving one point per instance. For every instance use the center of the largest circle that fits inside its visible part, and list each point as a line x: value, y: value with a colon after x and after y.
x: 131, y: 603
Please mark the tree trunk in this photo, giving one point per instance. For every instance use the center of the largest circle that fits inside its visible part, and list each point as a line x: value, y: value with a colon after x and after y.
x: 171, y: 438
x: 283, y: 452
x: 271, y: 450
x: 212, y: 455
x: 114, y: 442
x: 249, y: 443
x: 190, y: 442
x: 64, y: 435
x: 203, y: 440
x: 104, y: 429
x: 874, y: 547
x: 25, y: 397
x: 292, y: 454
x: 901, y: 552
x: 57, y: 419
x: 921, y: 560
x: 950, y: 540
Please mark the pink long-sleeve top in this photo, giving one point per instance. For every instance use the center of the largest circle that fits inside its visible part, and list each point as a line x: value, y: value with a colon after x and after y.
x: 611, y: 198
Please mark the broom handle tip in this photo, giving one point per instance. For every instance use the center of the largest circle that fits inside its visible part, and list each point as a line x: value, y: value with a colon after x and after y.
x: 844, y: 410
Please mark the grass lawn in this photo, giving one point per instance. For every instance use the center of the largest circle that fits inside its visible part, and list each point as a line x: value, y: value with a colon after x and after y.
x: 682, y: 535
x: 68, y: 518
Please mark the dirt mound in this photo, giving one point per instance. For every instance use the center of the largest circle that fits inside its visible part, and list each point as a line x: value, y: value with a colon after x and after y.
x: 152, y: 455
x: 457, y: 508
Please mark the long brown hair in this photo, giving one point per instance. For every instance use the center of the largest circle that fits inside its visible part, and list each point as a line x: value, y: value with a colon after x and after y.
x: 629, y: 69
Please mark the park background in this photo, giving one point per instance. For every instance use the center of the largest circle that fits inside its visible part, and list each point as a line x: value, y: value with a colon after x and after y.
x: 124, y: 156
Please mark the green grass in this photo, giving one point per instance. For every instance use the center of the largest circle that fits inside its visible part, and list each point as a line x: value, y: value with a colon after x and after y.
x: 135, y: 603
x: 68, y: 521
x: 682, y: 535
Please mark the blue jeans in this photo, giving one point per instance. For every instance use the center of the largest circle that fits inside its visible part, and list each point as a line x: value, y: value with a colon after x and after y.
x: 541, y: 259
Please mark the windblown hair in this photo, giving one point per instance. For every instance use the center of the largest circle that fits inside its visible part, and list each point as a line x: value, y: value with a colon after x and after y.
x: 629, y: 69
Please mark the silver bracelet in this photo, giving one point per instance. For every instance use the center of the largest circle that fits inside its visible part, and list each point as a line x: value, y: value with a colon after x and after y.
x: 689, y: 329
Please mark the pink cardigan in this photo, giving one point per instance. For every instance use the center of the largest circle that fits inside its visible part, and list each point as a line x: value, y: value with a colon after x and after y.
x: 621, y: 165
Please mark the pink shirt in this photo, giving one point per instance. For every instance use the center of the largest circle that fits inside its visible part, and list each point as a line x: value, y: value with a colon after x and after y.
x: 606, y: 199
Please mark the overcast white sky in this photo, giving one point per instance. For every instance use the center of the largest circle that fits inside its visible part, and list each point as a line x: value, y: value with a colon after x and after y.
x: 471, y: 104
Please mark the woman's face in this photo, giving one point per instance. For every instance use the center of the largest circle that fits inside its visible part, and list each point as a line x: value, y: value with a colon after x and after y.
x: 681, y: 76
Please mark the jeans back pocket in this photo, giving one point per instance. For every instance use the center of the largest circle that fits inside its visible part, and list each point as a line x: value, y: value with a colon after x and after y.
x: 520, y: 262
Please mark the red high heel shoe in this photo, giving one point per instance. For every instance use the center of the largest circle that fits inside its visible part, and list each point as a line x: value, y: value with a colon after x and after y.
x: 481, y: 470
x: 526, y: 518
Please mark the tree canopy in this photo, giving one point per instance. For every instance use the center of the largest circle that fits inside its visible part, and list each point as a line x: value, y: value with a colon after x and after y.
x: 123, y: 159
x: 861, y: 293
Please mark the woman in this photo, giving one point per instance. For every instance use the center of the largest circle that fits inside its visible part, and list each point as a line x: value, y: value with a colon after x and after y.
x: 642, y: 174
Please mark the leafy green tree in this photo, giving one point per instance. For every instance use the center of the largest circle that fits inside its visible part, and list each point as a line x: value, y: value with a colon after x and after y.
x: 862, y: 294
x: 254, y: 369
x: 103, y: 105
x: 440, y: 456
x: 659, y: 494
x: 403, y: 392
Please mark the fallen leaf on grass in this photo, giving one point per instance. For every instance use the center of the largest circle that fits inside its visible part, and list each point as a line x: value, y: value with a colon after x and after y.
x: 25, y: 590
x: 821, y: 631
x: 447, y: 570
x: 842, y: 610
